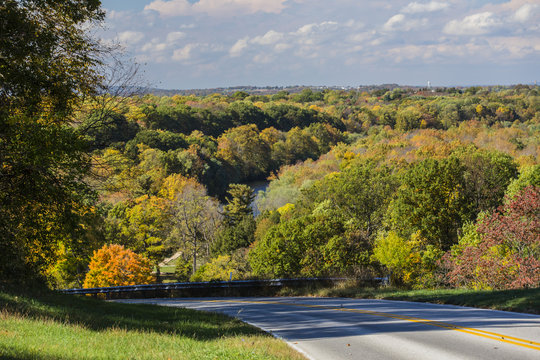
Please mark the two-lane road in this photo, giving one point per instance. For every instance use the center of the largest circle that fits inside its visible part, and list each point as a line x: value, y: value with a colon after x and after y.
x: 337, y: 328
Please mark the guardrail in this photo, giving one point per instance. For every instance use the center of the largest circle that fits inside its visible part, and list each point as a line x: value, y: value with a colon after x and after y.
x: 211, y: 288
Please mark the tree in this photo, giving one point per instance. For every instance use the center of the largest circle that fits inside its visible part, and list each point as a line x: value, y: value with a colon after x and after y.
x: 503, y: 250
x: 234, y: 236
x: 487, y: 175
x: 48, y: 64
x: 219, y: 268
x: 361, y: 192
x: 431, y: 200
x: 279, y: 252
x: 238, y: 203
x: 245, y: 113
x: 195, y: 220
x: 528, y: 176
x: 243, y: 148
x: 146, y: 226
x: 114, y: 265
x: 393, y: 252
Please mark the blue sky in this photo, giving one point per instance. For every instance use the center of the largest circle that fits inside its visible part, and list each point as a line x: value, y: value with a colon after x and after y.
x: 184, y: 44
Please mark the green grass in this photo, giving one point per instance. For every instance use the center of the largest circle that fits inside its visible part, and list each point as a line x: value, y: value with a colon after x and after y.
x: 167, y: 269
x: 54, y: 326
x: 522, y: 300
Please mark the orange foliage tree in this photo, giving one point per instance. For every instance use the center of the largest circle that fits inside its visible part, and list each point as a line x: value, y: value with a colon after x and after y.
x: 114, y: 265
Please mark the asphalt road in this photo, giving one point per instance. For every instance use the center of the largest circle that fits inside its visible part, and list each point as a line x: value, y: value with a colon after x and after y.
x: 337, y: 328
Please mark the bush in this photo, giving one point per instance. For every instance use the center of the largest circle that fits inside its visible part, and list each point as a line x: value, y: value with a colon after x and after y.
x: 217, y: 269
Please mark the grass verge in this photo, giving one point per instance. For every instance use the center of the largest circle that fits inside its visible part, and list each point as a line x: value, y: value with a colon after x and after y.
x: 50, y: 326
x: 522, y: 300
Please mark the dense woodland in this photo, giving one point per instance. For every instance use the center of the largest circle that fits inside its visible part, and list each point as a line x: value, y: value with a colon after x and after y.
x: 431, y: 187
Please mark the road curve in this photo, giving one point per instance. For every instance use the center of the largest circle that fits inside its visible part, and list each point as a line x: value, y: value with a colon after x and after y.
x: 339, y: 328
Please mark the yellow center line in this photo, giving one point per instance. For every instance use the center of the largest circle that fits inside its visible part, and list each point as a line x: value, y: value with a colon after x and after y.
x: 486, y: 334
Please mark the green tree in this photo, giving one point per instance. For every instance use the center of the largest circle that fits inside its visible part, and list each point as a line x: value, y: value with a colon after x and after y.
x: 528, y: 176
x: 235, y: 236
x: 432, y: 201
x: 238, y: 203
x: 279, y: 252
x: 487, y: 174
x: 244, y: 113
x: 361, y: 192
x: 48, y: 63
x: 239, y: 224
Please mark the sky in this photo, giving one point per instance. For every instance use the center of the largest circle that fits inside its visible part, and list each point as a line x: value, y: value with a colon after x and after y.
x: 188, y: 44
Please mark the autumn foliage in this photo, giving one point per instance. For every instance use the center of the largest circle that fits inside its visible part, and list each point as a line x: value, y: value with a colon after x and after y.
x: 508, y: 253
x: 114, y: 265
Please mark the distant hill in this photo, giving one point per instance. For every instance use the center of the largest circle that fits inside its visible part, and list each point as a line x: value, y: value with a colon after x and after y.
x: 266, y: 90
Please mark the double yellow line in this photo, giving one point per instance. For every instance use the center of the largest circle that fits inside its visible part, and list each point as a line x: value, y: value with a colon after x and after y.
x: 486, y: 334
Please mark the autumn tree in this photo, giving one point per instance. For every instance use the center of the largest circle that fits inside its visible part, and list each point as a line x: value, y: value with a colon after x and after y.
x: 504, y: 252
x: 243, y: 148
x: 114, y: 265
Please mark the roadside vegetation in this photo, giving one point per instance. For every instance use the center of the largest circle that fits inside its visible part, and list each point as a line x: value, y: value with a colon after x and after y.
x: 47, y: 325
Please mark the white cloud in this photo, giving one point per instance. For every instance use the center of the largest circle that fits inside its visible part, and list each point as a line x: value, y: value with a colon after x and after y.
x: 154, y: 46
x: 415, y: 7
x: 516, y: 47
x: 400, y: 22
x: 170, y: 8
x: 157, y: 46
x: 362, y: 37
x: 394, y: 21
x: 306, y: 39
x: 184, y: 53
x: 262, y: 59
x: 525, y: 12
x: 117, y: 15
x: 477, y: 24
x: 130, y: 37
x: 238, y: 47
x: 217, y: 8
x: 311, y: 28
x: 271, y: 37
x: 282, y: 47
x: 174, y: 36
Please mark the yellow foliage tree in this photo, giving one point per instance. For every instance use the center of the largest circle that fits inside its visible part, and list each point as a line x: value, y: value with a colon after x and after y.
x: 114, y: 265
